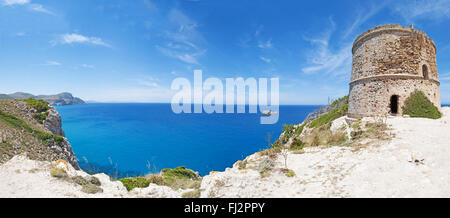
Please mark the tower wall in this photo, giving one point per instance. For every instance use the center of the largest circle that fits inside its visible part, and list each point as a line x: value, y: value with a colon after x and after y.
x: 391, y: 60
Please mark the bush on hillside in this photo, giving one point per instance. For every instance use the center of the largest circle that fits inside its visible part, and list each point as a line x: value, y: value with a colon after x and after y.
x: 418, y: 105
x: 39, y: 105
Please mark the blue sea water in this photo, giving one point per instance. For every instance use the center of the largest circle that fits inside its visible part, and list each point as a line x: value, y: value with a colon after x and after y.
x: 128, y: 136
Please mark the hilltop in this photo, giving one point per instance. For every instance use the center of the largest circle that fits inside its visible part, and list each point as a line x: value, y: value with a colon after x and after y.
x: 64, y: 98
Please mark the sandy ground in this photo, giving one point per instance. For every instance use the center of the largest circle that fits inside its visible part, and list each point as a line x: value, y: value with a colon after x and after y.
x: 416, y: 163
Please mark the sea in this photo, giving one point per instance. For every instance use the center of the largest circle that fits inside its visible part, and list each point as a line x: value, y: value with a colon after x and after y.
x: 132, y: 139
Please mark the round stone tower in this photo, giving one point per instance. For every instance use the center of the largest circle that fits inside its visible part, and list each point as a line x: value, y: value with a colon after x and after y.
x: 390, y: 62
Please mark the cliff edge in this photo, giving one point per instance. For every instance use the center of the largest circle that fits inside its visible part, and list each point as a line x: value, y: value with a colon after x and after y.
x: 33, y: 128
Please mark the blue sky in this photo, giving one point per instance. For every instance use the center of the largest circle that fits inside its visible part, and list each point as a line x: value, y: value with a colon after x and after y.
x: 131, y: 50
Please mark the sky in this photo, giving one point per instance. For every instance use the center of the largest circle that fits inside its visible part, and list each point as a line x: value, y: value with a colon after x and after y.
x: 132, y: 50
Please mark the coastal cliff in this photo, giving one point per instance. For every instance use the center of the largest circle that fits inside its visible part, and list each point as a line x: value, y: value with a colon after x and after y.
x: 33, y: 128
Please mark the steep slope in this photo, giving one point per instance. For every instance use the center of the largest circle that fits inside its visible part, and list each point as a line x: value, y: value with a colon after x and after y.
x: 34, y: 132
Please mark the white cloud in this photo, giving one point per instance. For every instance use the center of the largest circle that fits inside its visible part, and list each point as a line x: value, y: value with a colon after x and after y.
x: 189, y: 58
x: 147, y: 81
x: 40, y: 8
x: 267, y: 60
x: 183, y: 39
x: 87, y: 66
x: 266, y: 44
x: 363, y: 16
x: 33, y: 7
x: 323, y: 59
x: 20, y: 34
x: 423, y: 9
x: 52, y: 63
x: 15, y: 2
x: 77, y: 38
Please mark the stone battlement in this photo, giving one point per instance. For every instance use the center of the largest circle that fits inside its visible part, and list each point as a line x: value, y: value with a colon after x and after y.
x: 390, y: 28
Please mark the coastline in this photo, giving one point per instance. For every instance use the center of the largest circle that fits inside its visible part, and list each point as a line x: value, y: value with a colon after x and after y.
x: 384, y: 169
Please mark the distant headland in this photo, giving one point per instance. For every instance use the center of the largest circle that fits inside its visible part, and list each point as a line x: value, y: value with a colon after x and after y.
x: 61, y: 99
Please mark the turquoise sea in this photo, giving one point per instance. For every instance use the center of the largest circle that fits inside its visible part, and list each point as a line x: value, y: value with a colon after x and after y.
x: 129, y: 139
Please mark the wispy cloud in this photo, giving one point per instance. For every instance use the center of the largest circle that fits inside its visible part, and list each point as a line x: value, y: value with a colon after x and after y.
x: 326, y: 60
x: 189, y: 58
x: 33, y: 7
x: 267, y: 60
x: 40, y: 8
x: 182, y: 38
x: 412, y: 11
x: 52, y: 63
x: 15, y: 2
x: 88, y: 66
x: 77, y: 38
x: 265, y: 44
x: 364, y: 15
x: 147, y: 81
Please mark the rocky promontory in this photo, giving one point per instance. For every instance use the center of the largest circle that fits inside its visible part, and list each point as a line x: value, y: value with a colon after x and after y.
x: 33, y: 128
x: 61, y: 99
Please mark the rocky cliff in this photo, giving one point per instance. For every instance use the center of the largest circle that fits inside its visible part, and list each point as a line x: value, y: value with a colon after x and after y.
x: 64, y: 98
x: 34, y: 131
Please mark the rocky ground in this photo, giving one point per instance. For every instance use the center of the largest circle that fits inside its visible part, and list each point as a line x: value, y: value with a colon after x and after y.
x: 413, y: 163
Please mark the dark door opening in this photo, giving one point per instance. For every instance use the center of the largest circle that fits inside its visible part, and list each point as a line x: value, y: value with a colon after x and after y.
x: 394, y: 104
x: 425, y: 71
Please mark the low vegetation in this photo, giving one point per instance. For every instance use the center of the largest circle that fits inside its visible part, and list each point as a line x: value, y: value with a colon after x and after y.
x: 39, y: 105
x: 177, y: 178
x: 91, y: 188
x: 329, y: 117
x: 46, y: 138
x: 58, y: 173
x: 288, y: 172
x: 418, y: 105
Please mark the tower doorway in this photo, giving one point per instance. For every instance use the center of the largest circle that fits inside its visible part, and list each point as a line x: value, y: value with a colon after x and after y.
x: 394, y: 104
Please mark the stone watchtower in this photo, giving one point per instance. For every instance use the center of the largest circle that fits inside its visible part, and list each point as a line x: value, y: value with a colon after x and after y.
x: 390, y: 62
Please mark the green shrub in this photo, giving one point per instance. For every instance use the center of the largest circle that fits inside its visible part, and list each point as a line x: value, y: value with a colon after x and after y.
x: 91, y: 189
x: 297, y: 144
x: 48, y: 137
x: 39, y: 105
x: 135, y: 182
x: 58, y: 172
x: 179, y: 172
x: 80, y: 180
x: 290, y: 173
x: 418, y: 105
x: 299, y: 130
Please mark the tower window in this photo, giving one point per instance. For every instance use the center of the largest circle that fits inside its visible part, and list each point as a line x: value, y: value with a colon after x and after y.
x: 425, y: 71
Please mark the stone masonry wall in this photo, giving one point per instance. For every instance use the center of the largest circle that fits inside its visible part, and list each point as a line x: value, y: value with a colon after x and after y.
x: 391, y: 60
